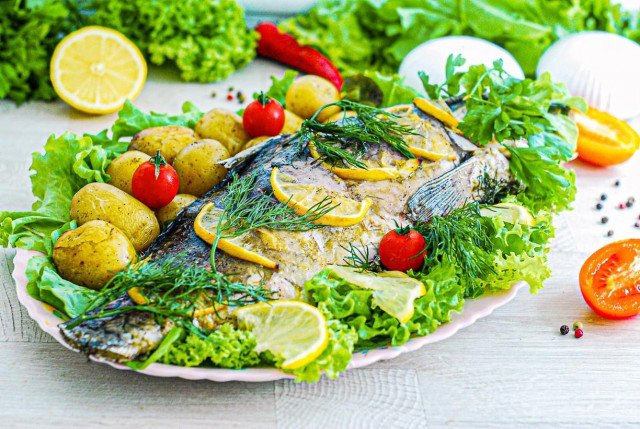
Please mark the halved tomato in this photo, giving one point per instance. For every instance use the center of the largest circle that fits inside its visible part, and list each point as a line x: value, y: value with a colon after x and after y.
x: 610, y: 280
x: 604, y: 139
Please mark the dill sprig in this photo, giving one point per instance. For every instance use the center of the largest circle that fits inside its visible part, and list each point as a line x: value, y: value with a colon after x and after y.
x: 362, y: 259
x: 346, y: 142
x: 493, y: 190
x: 245, y: 208
x: 173, y: 290
x: 459, y: 237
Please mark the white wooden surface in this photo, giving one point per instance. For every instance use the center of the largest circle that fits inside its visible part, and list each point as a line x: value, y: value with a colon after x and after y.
x: 512, y: 369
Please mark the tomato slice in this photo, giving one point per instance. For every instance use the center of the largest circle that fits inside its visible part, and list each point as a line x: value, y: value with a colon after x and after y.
x: 610, y: 280
x: 604, y: 139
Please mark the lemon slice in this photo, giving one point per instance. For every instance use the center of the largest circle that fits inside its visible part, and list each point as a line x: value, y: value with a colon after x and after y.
x: 206, y: 225
x: 302, y: 198
x: 427, y: 154
x: 509, y: 212
x: 437, y: 112
x: 371, y: 174
x: 393, y: 291
x: 291, y: 330
x: 96, y: 69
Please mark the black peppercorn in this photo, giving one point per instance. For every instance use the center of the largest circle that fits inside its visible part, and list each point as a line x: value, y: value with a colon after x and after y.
x: 609, y: 233
x: 603, y: 197
x: 617, y: 182
x: 564, y: 329
x: 599, y: 206
x: 604, y: 219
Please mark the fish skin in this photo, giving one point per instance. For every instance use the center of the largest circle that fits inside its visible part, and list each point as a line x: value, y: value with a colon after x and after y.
x: 120, y: 338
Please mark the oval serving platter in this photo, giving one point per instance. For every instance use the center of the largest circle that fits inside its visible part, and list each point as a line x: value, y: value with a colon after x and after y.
x: 473, y: 310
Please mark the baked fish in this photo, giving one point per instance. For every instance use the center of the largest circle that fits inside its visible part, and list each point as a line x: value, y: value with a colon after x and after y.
x: 433, y: 188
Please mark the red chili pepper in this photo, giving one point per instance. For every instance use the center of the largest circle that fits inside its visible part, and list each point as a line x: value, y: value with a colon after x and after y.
x: 286, y: 49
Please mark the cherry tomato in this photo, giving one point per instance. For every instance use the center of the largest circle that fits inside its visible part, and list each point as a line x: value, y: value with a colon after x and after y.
x: 155, y: 183
x: 604, y: 139
x: 610, y: 280
x: 263, y: 117
x: 402, y: 250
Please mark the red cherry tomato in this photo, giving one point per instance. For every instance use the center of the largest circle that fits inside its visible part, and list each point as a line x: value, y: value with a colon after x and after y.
x: 155, y: 183
x: 402, y: 250
x: 263, y: 117
x: 610, y: 280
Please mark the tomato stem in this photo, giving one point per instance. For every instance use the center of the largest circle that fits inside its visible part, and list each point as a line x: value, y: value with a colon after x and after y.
x: 263, y: 99
x: 157, y: 161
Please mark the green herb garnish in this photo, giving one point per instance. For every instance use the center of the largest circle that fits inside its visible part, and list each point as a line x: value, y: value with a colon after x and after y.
x: 174, y: 290
x: 460, y: 239
x: 361, y: 258
x: 345, y: 143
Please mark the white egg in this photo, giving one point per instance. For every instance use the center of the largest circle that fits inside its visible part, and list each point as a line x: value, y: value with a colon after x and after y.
x: 431, y: 58
x: 603, y: 68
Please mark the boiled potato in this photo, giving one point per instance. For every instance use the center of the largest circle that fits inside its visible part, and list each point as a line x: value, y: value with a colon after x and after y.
x: 198, y: 168
x: 224, y: 126
x: 340, y: 115
x: 292, y: 122
x: 122, y: 168
x: 90, y: 254
x: 169, y: 140
x: 171, y: 210
x: 255, y: 141
x: 101, y: 201
x: 309, y: 93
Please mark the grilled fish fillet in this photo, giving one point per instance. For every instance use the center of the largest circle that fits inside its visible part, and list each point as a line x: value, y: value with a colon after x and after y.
x: 302, y: 254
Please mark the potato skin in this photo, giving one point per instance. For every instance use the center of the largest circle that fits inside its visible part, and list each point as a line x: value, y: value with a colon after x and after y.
x: 340, y: 115
x: 171, y: 210
x: 224, y: 126
x: 90, y: 254
x: 122, y: 168
x: 255, y: 141
x: 169, y: 140
x: 309, y: 93
x: 197, y: 166
x: 101, y: 201
x: 292, y: 122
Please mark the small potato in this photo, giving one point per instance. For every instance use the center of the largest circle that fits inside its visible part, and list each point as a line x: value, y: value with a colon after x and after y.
x: 255, y: 141
x: 171, y: 210
x: 122, y: 168
x: 101, y: 201
x: 340, y: 115
x: 309, y: 93
x: 224, y: 126
x: 292, y: 122
x: 198, y: 168
x: 169, y: 140
x: 92, y: 253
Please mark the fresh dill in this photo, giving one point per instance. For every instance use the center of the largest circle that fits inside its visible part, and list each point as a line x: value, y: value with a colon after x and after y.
x: 346, y: 142
x: 459, y: 238
x: 245, y: 209
x: 362, y: 259
x: 173, y: 290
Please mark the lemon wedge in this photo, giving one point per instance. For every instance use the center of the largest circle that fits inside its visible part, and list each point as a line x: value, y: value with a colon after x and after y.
x: 509, y: 212
x: 371, y: 173
x: 393, y: 291
x: 96, y: 69
x: 206, y: 226
x: 302, y: 198
x: 292, y: 330
x: 437, y: 112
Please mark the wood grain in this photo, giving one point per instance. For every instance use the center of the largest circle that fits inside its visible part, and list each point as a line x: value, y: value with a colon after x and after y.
x: 512, y: 369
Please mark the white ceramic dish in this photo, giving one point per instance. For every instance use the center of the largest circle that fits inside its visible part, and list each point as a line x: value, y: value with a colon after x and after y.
x: 473, y: 310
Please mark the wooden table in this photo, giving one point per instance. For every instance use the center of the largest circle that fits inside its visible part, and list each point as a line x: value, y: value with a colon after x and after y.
x: 511, y: 369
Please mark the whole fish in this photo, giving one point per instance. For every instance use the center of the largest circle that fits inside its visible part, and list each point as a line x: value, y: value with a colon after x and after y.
x: 433, y: 189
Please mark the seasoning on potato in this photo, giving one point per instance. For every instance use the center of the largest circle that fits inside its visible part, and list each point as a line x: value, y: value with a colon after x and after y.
x: 101, y: 201
x: 170, y: 211
x: 198, y: 168
x: 309, y: 93
x: 92, y: 253
x: 292, y: 122
x: 122, y: 168
x: 224, y: 126
x: 169, y: 140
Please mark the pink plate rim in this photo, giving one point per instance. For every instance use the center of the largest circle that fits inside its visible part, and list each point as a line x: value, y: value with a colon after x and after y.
x: 473, y: 310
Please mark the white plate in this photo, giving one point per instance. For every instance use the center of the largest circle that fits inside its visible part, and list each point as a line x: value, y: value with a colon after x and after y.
x: 473, y: 310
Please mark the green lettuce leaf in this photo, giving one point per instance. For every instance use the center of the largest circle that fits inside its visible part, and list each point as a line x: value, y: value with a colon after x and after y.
x: 46, y: 285
x: 393, y: 89
x: 354, y: 306
x: 279, y: 87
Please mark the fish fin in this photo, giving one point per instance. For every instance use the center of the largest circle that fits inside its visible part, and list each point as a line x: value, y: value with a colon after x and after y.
x: 242, y: 157
x: 443, y: 194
